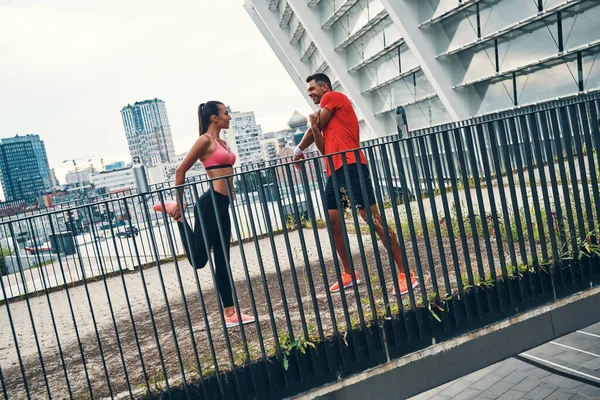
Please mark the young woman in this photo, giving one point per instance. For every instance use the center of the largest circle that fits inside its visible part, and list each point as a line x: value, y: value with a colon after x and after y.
x: 218, y: 161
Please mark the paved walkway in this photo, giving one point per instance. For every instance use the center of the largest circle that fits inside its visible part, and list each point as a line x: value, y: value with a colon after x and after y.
x: 513, y: 379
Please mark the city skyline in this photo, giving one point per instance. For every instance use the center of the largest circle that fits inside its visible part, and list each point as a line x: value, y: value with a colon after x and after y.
x: 88, y: 168
x: 69, y: 88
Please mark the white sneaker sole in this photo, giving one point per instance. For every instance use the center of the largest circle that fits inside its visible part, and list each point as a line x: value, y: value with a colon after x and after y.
x: 234, y: 324
x: 346, y: 286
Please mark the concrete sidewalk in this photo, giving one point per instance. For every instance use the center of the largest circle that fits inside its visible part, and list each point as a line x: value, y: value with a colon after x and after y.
x: 513, y: 379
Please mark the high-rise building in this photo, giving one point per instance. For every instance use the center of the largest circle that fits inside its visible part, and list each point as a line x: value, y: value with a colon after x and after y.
x: 443, y: 60
x: 148, y: 131
x: 243, y: 137
x: 25, y: 170
x: 269, y: 149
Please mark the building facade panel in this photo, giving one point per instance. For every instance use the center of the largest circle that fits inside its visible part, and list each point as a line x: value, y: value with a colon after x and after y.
x: 445, y: 60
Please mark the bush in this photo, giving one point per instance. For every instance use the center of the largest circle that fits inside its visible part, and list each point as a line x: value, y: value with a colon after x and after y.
x: 3, y: 268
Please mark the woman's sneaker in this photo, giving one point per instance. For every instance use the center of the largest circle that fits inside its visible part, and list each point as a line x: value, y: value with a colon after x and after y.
x: 346, y: 282
x: 232, y: 321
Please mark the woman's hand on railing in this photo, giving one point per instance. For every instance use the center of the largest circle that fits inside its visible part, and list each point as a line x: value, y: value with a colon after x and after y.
x: 176, y: 213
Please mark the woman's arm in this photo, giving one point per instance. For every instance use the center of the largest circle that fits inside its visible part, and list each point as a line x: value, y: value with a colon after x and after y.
x: 196, y: 152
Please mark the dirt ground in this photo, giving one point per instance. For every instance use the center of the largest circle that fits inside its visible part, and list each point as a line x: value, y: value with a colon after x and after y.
x: 192, y: 338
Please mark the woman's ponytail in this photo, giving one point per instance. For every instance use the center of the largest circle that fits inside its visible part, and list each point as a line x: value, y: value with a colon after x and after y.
x: 205, y: 111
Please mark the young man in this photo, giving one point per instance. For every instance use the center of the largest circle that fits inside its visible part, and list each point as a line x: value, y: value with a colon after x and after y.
x: 334, y: 128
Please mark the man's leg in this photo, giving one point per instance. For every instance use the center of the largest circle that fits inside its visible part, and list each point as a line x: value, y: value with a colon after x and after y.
x: 335, y: 220
x: 396, y: 252
x: 360, y: 202
x: 338, y: 238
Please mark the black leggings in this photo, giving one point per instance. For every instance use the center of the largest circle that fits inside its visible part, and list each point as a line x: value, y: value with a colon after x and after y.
x: 197, y: 252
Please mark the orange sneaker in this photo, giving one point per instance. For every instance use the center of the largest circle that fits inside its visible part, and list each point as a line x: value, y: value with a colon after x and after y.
x: 169, y: 206
x: 233, y: 321
x: 403, y: 284
x: 346, y: 281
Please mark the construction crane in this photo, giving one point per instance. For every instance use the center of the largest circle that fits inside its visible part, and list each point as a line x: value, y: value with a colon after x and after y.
x: 103, y: 168
x: 74, y: 161
x: 76, y: 167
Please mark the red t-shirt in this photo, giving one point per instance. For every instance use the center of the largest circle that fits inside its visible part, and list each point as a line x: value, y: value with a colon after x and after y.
x: 342, y: 132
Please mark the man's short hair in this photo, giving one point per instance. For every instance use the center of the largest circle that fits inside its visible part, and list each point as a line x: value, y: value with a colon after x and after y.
x: 320, y: 79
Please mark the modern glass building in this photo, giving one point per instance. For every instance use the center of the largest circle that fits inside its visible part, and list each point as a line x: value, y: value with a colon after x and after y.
x: 442, y: 60
x: 25, y: 170
x: 148, y: 131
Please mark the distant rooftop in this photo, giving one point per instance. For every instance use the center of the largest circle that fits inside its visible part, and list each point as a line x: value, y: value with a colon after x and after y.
x: 141, y: 103
x: 112, y: 170
x: 21, y: 138
x: 297, y: 118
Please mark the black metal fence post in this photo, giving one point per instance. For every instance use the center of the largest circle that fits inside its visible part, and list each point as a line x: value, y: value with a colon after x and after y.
x: 4, y: 392
x: 72, y: 312
x: 52, y: 317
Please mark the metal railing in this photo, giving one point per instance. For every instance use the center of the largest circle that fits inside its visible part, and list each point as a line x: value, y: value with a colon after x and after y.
x: 493, y: 217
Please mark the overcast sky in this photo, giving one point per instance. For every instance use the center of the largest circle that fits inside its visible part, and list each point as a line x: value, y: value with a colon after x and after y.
x: 67, y: 67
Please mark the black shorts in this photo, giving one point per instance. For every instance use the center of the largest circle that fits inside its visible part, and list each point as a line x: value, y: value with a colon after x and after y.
x: 344, y: 193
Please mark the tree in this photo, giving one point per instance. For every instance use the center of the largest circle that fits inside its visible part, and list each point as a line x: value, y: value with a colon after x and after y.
x: 3, y: 268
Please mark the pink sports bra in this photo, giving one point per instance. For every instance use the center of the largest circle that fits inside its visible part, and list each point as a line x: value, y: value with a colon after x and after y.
x: 220, y: 158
